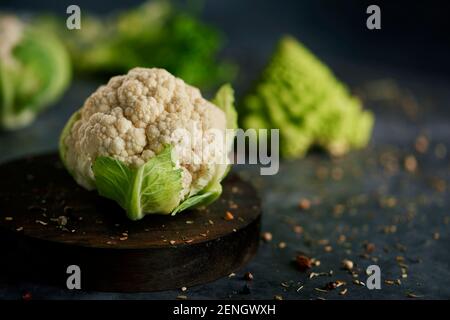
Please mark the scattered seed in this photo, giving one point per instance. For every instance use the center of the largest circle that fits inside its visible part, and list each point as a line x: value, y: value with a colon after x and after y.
x: 410, y: 163
x: 412, y: 295
x: 440, y: 151
x: 303, y: 262
x: 328, y: 248
x: 359, y: 283
x: 436, y: 236
x: 421, y: 144
x: 19, y: 229
x: 282, y: 245
x: 304, y: 204
x: 189, y: 222
x: 343, y: 292
x: 172, y: 242
x: 334, y: 284
x: 182, y: 297
x: 62, y: 220
x: 248, y: 276
x: 41, y: 222
x: 228, y: 216
x: 183, y: 289
x: 267, y: 236
x: 369, y: 247
x: 8, y: 218
x: 298, y: 229
x: 347, y: 264
x: 231, y: 275
x: 278, y: 297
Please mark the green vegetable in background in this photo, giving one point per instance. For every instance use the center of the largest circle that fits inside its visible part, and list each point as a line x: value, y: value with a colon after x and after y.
x: 155, y: 34
x: 34, y: 71
x: 299, y: 95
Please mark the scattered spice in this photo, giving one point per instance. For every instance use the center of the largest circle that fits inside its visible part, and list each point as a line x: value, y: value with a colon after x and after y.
x: 347, y: 264
x: 248, y: 276
x: 304, y: 204
x: 27, y: 296
x: 41, y: 222
x: 343, y: 292
x: 410, y: 163
x: 228, y: 216
x: 267, y: 236
x: 334, y: 284
x: 421, y: 144
x: 359, y: 282
x: 62, y: 220
x: 298, y: 229
x: 412, y: 295
x: 440, y: 151
x: 369, y: 247
x: 303, y: 263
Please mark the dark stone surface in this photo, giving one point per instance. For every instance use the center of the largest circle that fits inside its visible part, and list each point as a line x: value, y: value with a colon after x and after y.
x: 406, y: 104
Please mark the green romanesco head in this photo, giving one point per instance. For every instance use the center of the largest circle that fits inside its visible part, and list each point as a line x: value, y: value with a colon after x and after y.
x: 298, y: 94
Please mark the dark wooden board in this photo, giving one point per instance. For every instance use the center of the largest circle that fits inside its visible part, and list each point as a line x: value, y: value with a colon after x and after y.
x: 48, y: 222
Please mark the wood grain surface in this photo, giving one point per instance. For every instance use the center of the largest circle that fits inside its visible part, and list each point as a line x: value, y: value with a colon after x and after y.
x: 48, y: 222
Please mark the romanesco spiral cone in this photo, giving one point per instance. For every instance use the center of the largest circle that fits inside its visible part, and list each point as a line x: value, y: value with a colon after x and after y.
x: 298, y: 94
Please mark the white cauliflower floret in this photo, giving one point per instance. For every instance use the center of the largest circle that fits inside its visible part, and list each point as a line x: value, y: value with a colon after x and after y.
x: 134, y: 116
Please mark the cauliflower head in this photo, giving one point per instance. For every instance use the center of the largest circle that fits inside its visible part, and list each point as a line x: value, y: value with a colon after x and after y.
x: 151, y: 142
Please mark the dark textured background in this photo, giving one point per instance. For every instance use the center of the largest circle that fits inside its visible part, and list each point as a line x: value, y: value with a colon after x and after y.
x: 402, y: 74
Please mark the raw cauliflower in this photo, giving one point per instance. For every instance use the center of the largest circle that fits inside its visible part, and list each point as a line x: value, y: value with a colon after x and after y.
x: 133, y: 118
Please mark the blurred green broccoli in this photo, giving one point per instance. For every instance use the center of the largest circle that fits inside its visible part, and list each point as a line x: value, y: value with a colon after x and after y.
x: 34, y: 71
x: 299, y: 95
x: 155, y: 34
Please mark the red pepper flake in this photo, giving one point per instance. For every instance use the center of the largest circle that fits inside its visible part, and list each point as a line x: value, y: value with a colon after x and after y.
x: 27, y: 296
x: 369, y: 247
x: 228, y: 216
x: 334, y: 284
x: 303, y: 262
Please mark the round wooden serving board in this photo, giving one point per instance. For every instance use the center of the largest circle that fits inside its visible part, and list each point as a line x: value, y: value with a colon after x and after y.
x: 48, y: 222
